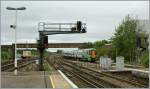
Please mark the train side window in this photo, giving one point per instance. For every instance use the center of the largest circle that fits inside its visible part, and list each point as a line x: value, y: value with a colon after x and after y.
x: 90, y: 51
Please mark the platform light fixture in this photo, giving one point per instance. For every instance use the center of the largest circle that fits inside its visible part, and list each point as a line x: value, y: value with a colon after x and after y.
x: 15, y: 27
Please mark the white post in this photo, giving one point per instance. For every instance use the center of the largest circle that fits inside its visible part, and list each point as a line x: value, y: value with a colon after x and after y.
x: 37, y: 62
x: 15, y: 71
x: 119, y: 63
x: 15, y: 28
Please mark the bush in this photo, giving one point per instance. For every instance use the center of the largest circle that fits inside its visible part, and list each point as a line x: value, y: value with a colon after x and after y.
x: 145, y: 60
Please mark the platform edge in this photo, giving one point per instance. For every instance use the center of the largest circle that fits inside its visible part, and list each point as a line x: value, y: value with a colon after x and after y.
x: 68, y: 80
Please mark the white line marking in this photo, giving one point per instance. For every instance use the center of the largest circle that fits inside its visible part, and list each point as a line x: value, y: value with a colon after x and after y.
x: 68, y: 80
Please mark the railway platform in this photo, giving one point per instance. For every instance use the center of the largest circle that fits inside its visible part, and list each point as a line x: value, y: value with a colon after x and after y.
x: 143, y: 73
x: 59, y: 80
x: 42, y: 79
x: 24, y: 80
x: 139, y: 72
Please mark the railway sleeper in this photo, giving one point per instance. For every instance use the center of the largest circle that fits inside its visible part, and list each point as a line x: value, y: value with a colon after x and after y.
x: 98, y: 79
x: 136, y: 84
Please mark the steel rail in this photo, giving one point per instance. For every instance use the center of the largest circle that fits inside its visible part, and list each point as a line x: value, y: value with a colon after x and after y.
x: 85, y: 79
x: 88, y: 81
x: 21, y: 64
x: 106, y: 83
x: 116, y: 77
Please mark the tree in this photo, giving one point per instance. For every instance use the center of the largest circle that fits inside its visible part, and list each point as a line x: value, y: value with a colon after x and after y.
x: 98, y: 45
x: 90, y: 44
x: 124, y: 40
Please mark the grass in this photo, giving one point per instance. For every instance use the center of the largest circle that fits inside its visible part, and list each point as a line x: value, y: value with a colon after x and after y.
x: 46, y: 67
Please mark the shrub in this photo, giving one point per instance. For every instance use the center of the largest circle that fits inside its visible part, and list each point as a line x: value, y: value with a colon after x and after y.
x: 144, y: 60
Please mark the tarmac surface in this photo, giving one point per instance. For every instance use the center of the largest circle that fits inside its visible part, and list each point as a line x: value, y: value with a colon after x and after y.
x: 35, y: 79
x: 25, y: 80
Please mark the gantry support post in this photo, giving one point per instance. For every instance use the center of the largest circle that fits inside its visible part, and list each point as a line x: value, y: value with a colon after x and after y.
x: 78, y: 27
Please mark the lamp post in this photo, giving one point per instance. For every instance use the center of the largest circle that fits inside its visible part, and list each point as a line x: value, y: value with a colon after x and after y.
x: 15, y: 27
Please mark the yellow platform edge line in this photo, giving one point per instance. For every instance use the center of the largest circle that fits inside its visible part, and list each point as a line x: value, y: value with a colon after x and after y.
x: 53, y: 86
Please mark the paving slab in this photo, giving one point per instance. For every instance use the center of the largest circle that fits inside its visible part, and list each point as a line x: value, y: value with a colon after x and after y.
x: 58, y: 81
x: 24, y: 80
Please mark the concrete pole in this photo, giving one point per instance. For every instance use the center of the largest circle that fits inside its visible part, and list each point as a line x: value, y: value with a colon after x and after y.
x: 148, y: 39
x: 15, y: 28
x: 15, y: 71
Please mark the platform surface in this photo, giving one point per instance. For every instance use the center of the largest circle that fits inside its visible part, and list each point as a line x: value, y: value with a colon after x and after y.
x: 58, y: 81
x: 47, y: 79
x: 24, y: 80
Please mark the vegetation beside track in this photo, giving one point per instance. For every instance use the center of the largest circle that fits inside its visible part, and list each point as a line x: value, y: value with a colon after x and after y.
x: 46, y: 66
x: 125, y: 43
x: 7, y: 55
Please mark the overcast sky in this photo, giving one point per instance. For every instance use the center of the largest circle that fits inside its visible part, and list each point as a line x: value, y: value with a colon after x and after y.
x: 101, y: 18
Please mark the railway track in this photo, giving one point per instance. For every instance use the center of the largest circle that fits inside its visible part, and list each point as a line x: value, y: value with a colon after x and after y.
x: 89, y: 82
x: 86, y: 78
x: 132, y: 83
x: 86, y: 82
x: 97, y: 80
x: 107, y: 80
x: 126, y: 75
x: 93, y: 78
x: 9, y: 66
x: 6, y: 62
x: 113, y: 64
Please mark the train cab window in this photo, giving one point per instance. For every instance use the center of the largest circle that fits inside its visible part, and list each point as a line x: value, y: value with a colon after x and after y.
x: 93, y: 53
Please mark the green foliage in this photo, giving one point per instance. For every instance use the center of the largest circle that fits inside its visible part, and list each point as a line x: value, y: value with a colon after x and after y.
x: 46, y: 53
x: 105, y: 51
x: 19, y: 52
x: 6, y: 54
x: 90, y: 44
x: 98, y: 45
x: 145, y: 59
x: 34, y: 52
x: 124, y: 40
x: 46, y: 67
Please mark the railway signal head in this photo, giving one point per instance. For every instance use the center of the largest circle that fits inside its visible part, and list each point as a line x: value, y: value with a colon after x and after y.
x: 83, y: 30
x: 39, y: 44
x: 79, y: 26
x: 45, y: 41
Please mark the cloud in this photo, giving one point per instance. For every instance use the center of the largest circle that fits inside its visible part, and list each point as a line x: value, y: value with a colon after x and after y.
x: 101, y: 18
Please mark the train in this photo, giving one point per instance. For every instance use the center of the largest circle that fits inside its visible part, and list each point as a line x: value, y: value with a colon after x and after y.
x: 82, y: 54
x: 26, y: 54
